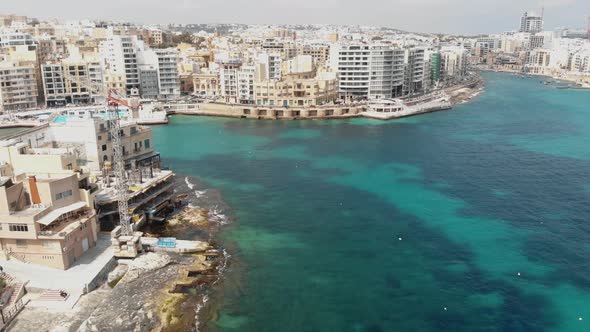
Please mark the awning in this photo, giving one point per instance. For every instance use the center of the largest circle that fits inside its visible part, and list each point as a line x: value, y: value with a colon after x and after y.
x: 53, y: 215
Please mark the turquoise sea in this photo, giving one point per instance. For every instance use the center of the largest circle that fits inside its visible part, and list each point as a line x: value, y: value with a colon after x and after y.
x: 474, y: 219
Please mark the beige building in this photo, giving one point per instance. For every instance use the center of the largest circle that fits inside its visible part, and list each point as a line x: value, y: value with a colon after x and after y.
x: 46, y: 199
x: 9, y: 20
x: 319, y: 53
x: 71, y: 82
x: 18, y: 87
x: 114, y: 81
x: 156, y: 37
x: 206, y: 84
x: 297, y: 90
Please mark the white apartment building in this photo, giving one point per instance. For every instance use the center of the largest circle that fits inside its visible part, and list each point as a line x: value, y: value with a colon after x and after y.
x: 18, y: 88
x: 245, y: 81
x: 13, y: 38
x: 381, y: 72
x: 367, y: 71
x: 168, y: 79
x: 417, y: 70
x: 89, y: 135
x: 579, y: 62
x: 119, y: 56
x: 273, y: 64
x: 228, y: 79
x: 531, y: 22
x: 453, y: 61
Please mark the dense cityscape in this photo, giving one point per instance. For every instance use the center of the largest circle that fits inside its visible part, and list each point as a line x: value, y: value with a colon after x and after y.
x: 83, y: 186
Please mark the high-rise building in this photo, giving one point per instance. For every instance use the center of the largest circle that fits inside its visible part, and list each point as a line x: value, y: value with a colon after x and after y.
x: 148, y: 81
x: 119, y: 54
x: 417, y: 71
x: 245, y: 83
x: 367, y: 71
x: 228, y: 78
x: 453, y: 61
x: 169, y: 81
x: 435, y: 67
x: 531, y: 22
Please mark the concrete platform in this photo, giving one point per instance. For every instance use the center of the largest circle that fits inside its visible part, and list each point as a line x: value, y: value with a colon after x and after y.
x: 182, y: 246
x: 75, y: 278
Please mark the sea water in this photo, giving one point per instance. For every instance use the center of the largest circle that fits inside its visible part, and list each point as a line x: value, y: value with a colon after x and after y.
x: 473, y: 219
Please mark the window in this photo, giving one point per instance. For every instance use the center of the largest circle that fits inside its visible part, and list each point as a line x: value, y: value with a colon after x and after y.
x: 104, y: 147
x: 18, y: 227
x: 146, y: 143
x: 63, y: 195
x: 21, y: 243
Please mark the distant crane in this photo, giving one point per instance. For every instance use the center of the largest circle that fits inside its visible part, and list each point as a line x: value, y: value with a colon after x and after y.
x: 121, y: 184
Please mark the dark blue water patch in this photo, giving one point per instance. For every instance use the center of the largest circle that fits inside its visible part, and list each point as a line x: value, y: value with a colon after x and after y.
x: 568, y: 257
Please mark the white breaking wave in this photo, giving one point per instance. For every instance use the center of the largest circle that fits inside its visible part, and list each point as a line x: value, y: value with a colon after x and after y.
x: 188, y: 183
x: 200, y: 193
x: 218, y: 216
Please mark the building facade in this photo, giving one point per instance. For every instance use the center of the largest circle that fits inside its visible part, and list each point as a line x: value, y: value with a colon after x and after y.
x: 45, y: 207
x: 18, y: 87
x: 168, y: 79
x: 531, y: 22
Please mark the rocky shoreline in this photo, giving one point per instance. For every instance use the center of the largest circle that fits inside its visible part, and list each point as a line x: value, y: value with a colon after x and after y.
x: 164, y: 291
x: 160, y: 291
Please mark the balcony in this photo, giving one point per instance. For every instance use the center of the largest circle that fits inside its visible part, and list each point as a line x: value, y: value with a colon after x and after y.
x: 66, y: 223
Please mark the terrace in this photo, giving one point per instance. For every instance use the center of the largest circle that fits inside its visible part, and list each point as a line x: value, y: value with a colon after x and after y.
x: 61, y: 222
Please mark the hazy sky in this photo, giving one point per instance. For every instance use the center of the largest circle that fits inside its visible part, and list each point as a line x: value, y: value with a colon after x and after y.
x: 447, y: 16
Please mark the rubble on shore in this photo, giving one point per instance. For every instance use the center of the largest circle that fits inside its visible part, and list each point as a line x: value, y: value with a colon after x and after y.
x: 189, y: 215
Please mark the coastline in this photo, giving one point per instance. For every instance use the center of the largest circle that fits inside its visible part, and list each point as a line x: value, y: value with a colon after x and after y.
x: 578, y: 86
x: 457, y: 95
x: 164, y: 291
x: 435, y: 102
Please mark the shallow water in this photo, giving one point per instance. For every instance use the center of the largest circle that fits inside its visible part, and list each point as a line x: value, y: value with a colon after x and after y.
x: 474, y: 219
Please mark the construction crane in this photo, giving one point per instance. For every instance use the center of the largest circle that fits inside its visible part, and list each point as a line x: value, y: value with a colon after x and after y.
x: 121, y: 184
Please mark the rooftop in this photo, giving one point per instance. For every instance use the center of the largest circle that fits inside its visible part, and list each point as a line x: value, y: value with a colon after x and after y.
x: 107, y: 195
